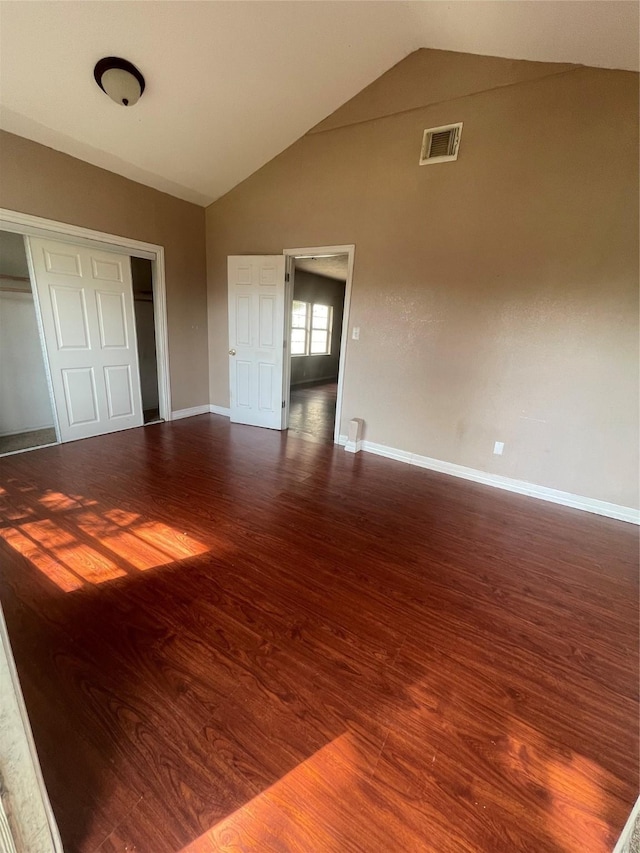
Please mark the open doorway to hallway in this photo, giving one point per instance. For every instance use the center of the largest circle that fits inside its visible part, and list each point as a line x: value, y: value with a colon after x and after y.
x: 317, y: 310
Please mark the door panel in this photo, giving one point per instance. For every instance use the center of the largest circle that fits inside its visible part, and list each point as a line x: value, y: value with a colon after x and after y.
x: 267, y: 310
x: 80, y: 395
x: 265, y: 386
x: 256, y: 339
x: 107, y: 270
x: 70, y: 316
x: 63, y: 262
x: 85, y: 298
x: 112, y: 319
x: 243, y: 384
x: 119, y: 391
x: 243, y: 321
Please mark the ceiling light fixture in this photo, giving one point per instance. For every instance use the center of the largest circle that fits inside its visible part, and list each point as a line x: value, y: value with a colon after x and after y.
x: 119, y: 79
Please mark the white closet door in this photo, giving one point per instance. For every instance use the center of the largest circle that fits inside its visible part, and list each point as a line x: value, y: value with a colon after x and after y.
x: 256, y: 339
x: 85, y: 299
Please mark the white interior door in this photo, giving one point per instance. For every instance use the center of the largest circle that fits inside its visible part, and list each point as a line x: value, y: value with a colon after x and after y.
x: 256, y: 339
x: 85, y: 299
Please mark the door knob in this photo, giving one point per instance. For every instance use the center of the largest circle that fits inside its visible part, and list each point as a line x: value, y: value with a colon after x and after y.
x: 232, y: 352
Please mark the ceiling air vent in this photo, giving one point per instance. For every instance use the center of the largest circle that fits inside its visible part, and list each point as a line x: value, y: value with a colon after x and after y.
x: 440, y: 144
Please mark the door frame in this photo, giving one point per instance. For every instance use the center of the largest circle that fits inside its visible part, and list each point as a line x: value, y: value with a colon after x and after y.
x: 36, y: 226
x: 314, y: 251
x: 22, y: 736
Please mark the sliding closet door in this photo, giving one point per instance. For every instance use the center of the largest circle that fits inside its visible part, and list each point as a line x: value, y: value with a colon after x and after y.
x: 86, y: 304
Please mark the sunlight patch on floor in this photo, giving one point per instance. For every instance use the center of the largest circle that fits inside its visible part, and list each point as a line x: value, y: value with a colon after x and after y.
x: 144, y: 545
x: 45, y: 562
x: 573, y: 786
x: 578, y: 800
x: 74, y: 545
x: 263, y: 819
x: 85, y: 562
x: 59, y: 502
x: 18, y: 514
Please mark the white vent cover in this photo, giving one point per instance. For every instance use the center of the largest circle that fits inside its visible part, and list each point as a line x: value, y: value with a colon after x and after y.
x: 440, y: 144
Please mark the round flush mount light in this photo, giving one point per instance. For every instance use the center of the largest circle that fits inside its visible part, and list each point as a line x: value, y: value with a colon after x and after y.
x: 119, y: 79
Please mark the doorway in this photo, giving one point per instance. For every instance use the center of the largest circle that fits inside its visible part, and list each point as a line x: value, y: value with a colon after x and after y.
x: 316, y: 319
x: 335, y: 262
x: 261, y: 309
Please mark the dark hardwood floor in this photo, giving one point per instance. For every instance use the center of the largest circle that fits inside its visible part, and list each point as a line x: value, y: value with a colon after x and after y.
x: 312, y: 411
x: 232, y: 639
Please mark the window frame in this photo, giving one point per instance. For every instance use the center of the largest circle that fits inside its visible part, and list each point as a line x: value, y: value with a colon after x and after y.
x: 305, y: 327
x: 309, y: 328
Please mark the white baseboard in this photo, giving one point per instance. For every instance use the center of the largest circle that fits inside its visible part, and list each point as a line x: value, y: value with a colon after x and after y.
x: 189, y: 413
x: 622, y: 513
x: 352, y: 446
x: 220, y: 410
x: 27, y: 450
x: 200, y: 410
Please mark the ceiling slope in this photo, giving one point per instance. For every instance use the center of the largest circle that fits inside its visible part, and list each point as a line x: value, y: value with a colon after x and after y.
x: 232, y: 84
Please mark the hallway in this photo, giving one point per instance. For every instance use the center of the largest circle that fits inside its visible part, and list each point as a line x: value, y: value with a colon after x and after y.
x: 313, y: 411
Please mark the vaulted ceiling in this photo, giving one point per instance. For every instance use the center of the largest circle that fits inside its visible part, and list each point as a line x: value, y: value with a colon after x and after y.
x: 232, y: 84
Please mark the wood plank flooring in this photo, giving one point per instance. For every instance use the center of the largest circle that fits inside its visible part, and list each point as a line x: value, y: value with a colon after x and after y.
x: 312, y: 411
x: 233, y: 640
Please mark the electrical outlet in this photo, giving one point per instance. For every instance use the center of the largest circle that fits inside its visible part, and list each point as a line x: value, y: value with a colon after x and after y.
x: 498, y: 447
x: 356, y: 333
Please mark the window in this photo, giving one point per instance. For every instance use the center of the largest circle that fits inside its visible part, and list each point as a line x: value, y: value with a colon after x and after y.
x: 299, y: 334
x: 320, y: 330
x: 311, y: 328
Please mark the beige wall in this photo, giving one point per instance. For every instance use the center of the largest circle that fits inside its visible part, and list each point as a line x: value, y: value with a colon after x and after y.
x: 43, y: 182
x: 497, y: 296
